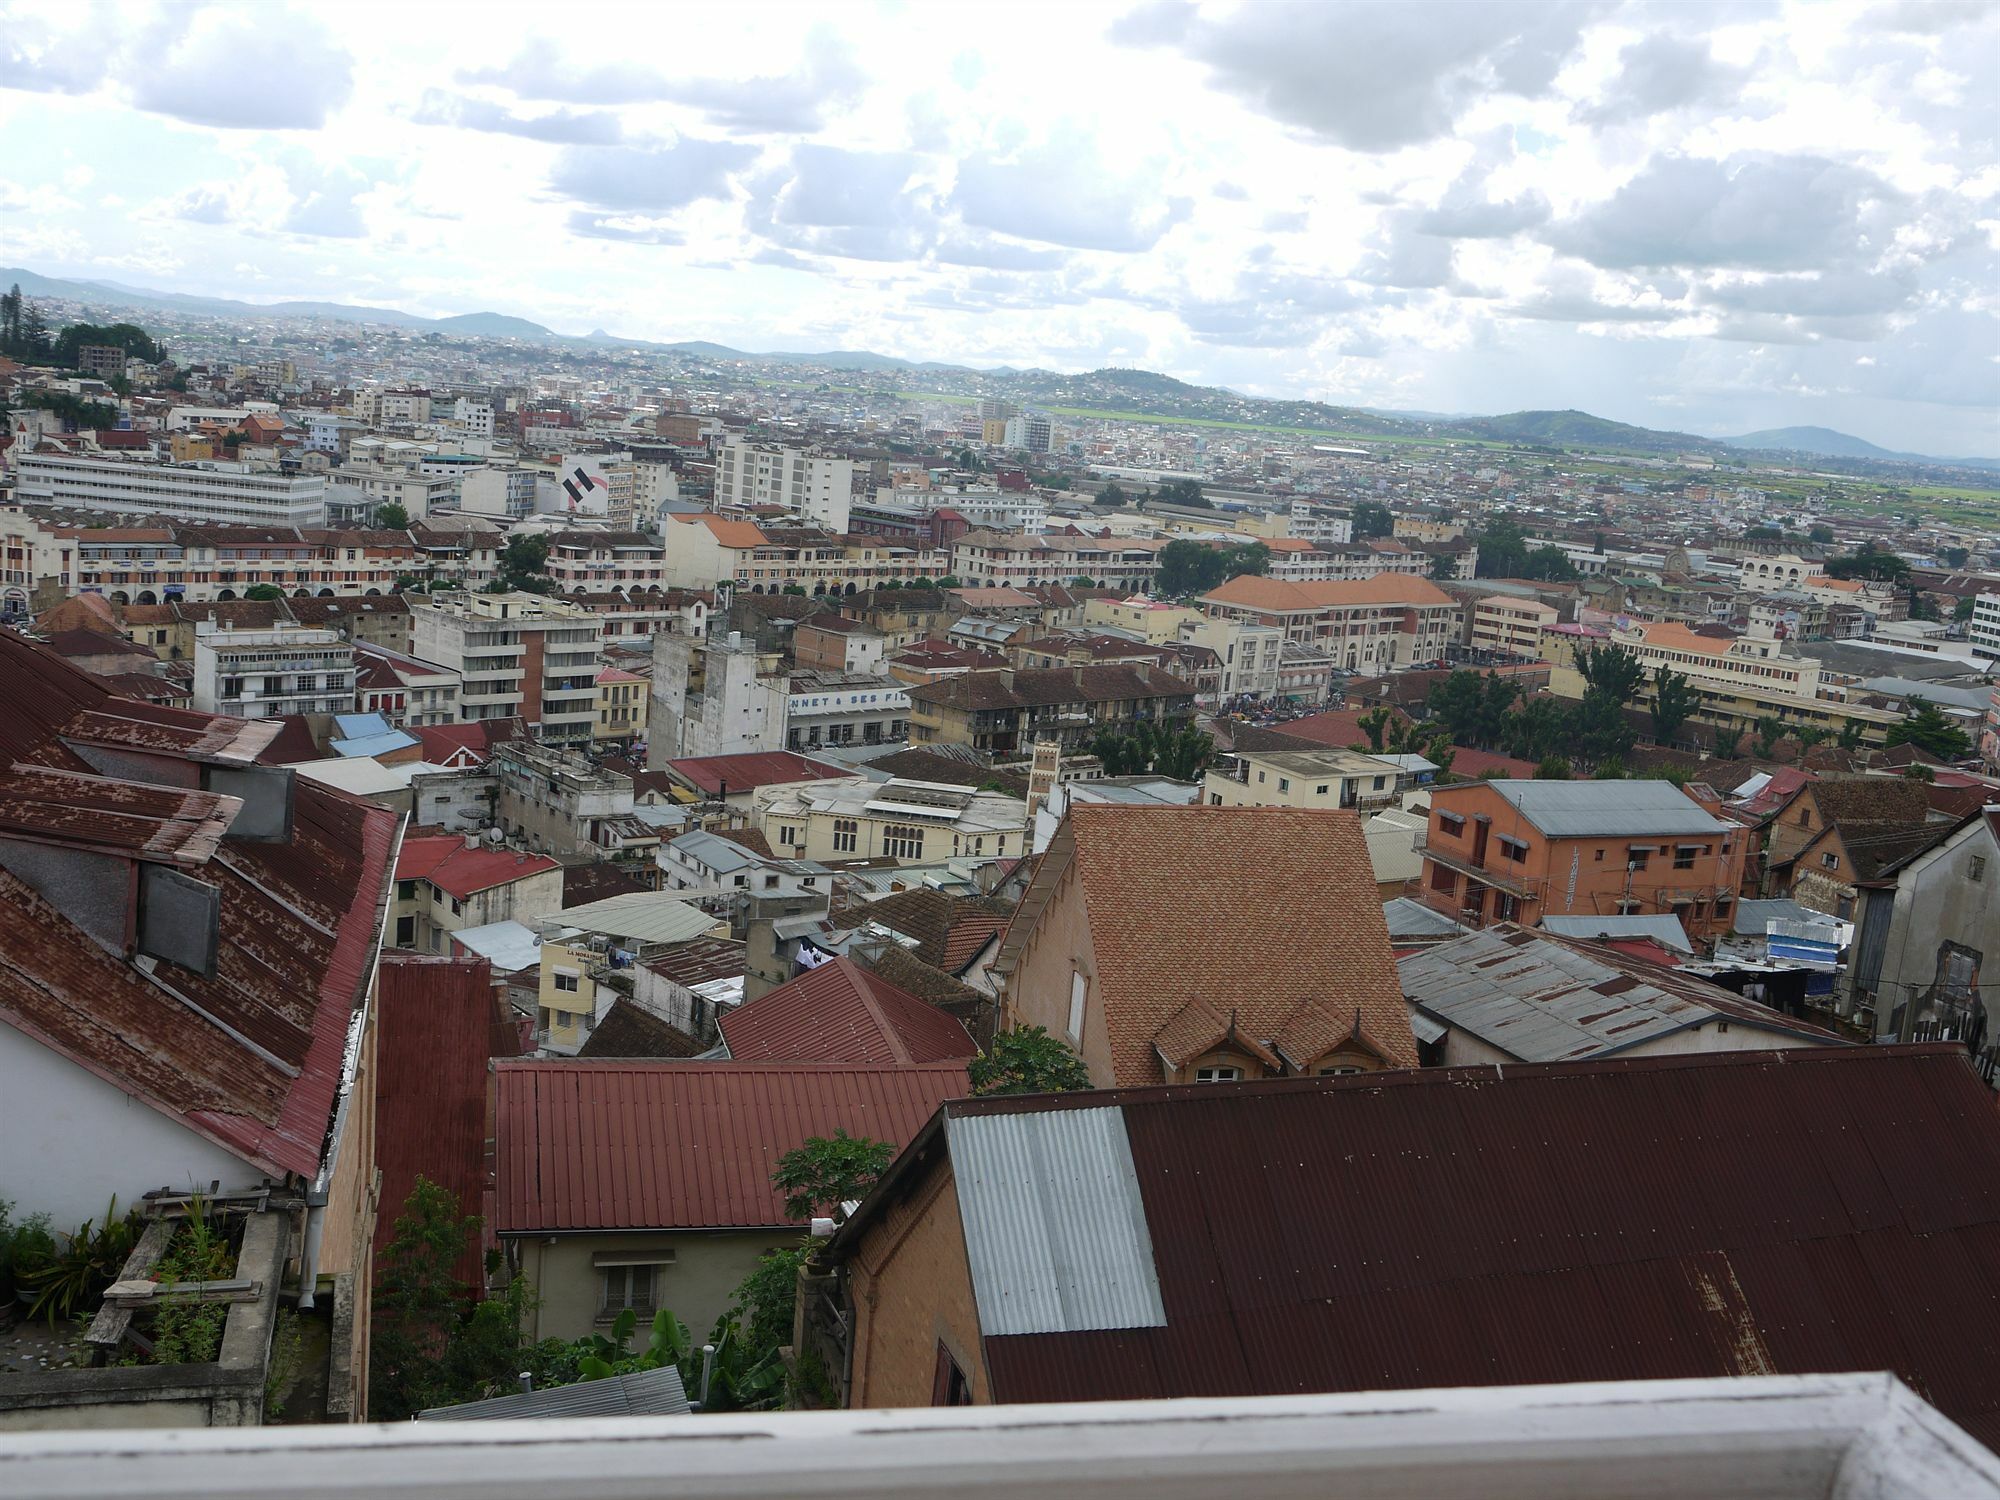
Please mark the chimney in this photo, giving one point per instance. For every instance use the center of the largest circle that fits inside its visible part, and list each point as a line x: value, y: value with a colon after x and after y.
x: 472, y: 841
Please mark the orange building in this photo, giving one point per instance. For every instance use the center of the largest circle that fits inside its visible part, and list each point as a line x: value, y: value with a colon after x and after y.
x: 1517, y: 851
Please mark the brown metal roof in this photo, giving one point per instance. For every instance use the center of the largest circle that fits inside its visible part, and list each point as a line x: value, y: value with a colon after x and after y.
x: 839, y: 1012
x: 159, y: 824
x: 663, y: 1145
x: 1699, y: 1215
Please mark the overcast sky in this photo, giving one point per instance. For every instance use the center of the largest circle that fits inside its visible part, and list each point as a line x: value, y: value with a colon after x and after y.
x: 1710, y: 216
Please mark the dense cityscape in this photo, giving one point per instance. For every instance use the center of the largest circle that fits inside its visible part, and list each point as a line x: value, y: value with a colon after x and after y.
x: 699, y: 892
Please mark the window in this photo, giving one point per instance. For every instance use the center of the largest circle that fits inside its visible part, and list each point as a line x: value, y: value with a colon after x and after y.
x: 1805, y: 817
x: 1597, y: 855
x: 567, y: 984
x: 1318, y: 791
x: 1338, y: 1070
x: 844, y: 835
x: 625, y: 1288
x: 949, y: 1387
x: 1830, y: 860
x: 1451, y: 823
x: 1284, y: 783
x: 1638, y: 858
x: 1976, y: 871
x: 788, y: 835
x: 1684, y: 856
x: 1513, y: 849
x: 406, y: 890
x: 1078, y: 986
x: 1218, y: 1074
x: 903, y: 841
x: 1505, y: 907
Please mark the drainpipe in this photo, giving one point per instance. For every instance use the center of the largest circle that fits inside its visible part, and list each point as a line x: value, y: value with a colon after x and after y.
x: 350, y: 1069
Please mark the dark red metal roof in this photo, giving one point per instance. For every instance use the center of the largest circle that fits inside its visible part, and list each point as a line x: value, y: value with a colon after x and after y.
x: 743, y: 773
x: 668, y: 1145
x: 1718, y: 1214
x: 436, y: 1031
x: 446, y: 862
x: 839, y: 1012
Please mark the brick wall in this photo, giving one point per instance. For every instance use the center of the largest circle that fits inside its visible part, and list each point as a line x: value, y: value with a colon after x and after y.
x: 912, y: 1290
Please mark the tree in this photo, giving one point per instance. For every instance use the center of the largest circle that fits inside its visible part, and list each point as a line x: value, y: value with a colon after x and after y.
x: 1822, y: 534
x: 1770, y: 730
x: 263, y: 592
x: 1444, y: 567
x: 1729, y: 744
x: 1932, y: 732
x: 1372, y: 520
x: 1764, y: 534
x: 1375, y: 724
x: 524, y: 563
x: 1185, y: 492
x: 1027, y: 1060
x: 1552, y: 768
x: 1962, y: 611
x: 1180, y: 754
x: 1955, y: 557
x: 1188, y: 567
x: 1111, y: 498
x: 1083, y: 583
x: 1850, y: 735
x: 1674, y: 703
x: 1922, y: 606
x: 1542, y: 728
x: 134, y: 340
x: 392, y: 517
x: 1610, y: 671
x: 1881, y: 567
x: 419, y: 1303
x: 824, y: 1173
x: 1600, y: 731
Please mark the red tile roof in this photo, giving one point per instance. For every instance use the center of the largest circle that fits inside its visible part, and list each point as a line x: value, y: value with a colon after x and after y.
x: 744, y: 773
x: 446, y: 863
x: 840, y: 1012
x: 663, y: 1145
x: 1269, y: 916
x: 1337, y: 728
x: 436, y: 1031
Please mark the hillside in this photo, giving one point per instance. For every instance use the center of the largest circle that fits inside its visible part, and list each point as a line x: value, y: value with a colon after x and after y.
x: 1821, y: 440
x: 1579, y: 429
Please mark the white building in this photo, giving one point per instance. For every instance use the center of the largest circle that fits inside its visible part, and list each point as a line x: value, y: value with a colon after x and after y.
x: 182, y: 418
x: 516, y: 654
x: 739, y: 706
x: 266, y: 674
x: 234, y: 494
x: 476, y: 417
x: 827, y: 708
x: 817, y: 486
x: 1984, y: 630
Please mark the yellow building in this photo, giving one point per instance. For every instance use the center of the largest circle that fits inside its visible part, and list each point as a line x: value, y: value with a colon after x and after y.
x: 622, y: 701
x: 1152, y: 621
x: 911, y: 822
x: 588, y: 954
x: 1302, y: 778
x: 1504, y: 622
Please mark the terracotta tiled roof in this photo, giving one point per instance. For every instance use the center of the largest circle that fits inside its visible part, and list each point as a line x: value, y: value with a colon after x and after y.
x: 840, y: 1012
x: 949, y: 930
x: 1337, y: 727
x: 1251, y: 910
x: 684, y: 1145
x: 630, y: 1030
x: 737, y: 534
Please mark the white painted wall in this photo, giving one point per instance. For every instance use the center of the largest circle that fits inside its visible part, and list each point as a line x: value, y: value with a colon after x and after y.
x: 72, y: 1140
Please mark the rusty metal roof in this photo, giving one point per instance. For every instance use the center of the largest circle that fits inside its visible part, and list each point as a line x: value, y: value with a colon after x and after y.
x: 667, y: 1145
x: 1695, y: 1215
x: 158, y: 824
x: 1542, y: 997
x: 839, y: 1012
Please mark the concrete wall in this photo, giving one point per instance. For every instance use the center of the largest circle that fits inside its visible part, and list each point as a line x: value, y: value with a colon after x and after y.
x: 912, y: 1290
x: 699, y: 1286
x: 1038, y: 990
x: 72, y: 1140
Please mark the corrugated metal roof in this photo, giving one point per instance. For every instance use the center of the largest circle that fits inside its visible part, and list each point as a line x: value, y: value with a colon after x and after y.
x: 1407, y: 918
x: 839, y: 1012
x: 643, y: 916
x: 1702, y: 1215
x: 1606, y: 809
x: 1055, y: 1234
x: 1543, y: 998
x: 645, y: 1393
x: 435, y: 1033
x: 1663, y: 928
x: 663, y: 1145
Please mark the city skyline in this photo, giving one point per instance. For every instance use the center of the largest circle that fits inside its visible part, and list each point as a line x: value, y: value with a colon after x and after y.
x: 1712, y: 219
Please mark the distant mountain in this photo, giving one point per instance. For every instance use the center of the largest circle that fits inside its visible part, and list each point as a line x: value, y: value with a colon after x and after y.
x: 1579, y: 429
x: 116, y: 294
x: 1822, y: 440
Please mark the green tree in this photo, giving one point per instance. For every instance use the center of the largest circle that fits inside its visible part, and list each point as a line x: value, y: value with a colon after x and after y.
x: 1375, y: 724
x: 1611, y: 672
x: 1764, y: 534
x: 1185, y: 492
x: 1601, y: 732
x: 1372, y: 520
x: 1552, y: 768
x: 1111, y: 497
x: 1850, y: 735
x: 1821, y: 533
x: 1922, y: 606
x: 419, y: 1304
x: 1444, y: 567
x: 263, y: 592
x: 1955, y: 557
x: 825, y: 1172
x: 1189, y: 567
x: 392, y: 517
x: 1674, y: 703
x: 77, y: 412
x: 524, y: 564
x: 1962, y: 611
x: 1867, y: 562
x: 1083, y: 583
x: 134, y: 340
x: 1542, y: 728
x: 1729, y: 744
x: 1770, y: 730
x: 1930, y: 730
x: 1027, y: 1060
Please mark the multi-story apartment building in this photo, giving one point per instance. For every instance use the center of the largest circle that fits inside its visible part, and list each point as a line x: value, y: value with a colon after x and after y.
x: 637, y: 617
x: 621, y: 706
x: 409, y: 693
x: 1370, y: 625
x: 718, y: 697
x: 989, y: 508
x: 834, y: 708
x: 1517, y: 851
x: 517, y: 654
x: 1740, y: 679
x: 989, y: 559
x: 185, y: 418
x: 1251, y: 657
x: 910, y: 822
x: 418, y: 493
x: 817, y: 487
x: 1005, y: 711
x: 555, y: 801
x: 595, y: 561
x: 266, y: 674
x: 1303, y: 778
x: 224, y: 492
x: 476, y: 417
x: 1984, y: 629
x: 705, y: 550
x: 1513, y: 625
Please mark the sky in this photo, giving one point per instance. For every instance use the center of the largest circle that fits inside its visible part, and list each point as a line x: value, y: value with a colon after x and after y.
x: 1715, y: 217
